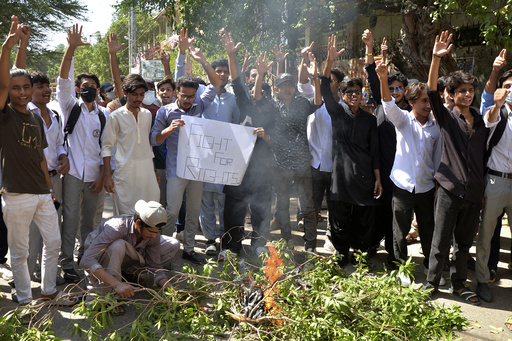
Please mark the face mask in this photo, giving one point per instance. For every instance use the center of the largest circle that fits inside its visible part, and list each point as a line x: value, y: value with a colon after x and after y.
x: 149, y: 97
x: 110, y: 95
x: 88, y: 94
x: 509, y: 98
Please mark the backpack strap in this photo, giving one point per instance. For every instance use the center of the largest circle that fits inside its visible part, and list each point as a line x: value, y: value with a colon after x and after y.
x: 103, y: 121
x: 498, y: 132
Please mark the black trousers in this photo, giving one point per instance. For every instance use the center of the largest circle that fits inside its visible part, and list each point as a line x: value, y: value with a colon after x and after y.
x: 384, y: 226
x: 404, y: 203
x: 455, y: 217
x: 235, y: 210
x: 352, y: 226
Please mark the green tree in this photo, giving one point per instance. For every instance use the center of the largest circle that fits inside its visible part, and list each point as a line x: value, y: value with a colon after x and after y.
x: 45, y: 18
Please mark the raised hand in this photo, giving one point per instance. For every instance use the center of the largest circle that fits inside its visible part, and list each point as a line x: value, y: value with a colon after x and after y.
x: 500, y: 61
x: 500, y: 96
x: 14, y: 33
x: 312, y: 68
x: 305, y: 51
x: 367, y: 38
x: 24, y: 35
x: 113, y: 46
x: 278, y: 53
x: 384, y: 49
x: 184, y: 42
x: 165, y: 58
x: 442, y: 45
x: 228, y: 43
x: 75, y: 36
x: 188, y: 66
x: 332, y: 52
x: 261, y: 64
x: 382, y: 70
x: 197, y: 54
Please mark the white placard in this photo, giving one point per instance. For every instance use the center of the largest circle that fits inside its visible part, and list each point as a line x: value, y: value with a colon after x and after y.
x: 213, y: 151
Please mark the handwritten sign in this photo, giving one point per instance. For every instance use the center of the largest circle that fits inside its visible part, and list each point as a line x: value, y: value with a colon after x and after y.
x: 213, y: 151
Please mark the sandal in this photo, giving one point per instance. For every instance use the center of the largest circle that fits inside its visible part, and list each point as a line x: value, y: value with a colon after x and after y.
x: 412, y: 237
x: 508, y: 323
x: 466, y: 295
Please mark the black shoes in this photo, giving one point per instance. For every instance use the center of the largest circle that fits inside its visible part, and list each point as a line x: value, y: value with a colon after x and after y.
x: 192, y: 257
x: 70, y: 276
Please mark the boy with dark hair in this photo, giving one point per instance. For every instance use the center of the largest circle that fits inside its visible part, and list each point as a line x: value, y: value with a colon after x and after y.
x: 397, y: 84
x: 165, y: 89
x: 356, y: 182
x: 128, y: 129
x: 83, y: 184
x: 460, y: 174
x: 167, y: 123
x: 26, y: 186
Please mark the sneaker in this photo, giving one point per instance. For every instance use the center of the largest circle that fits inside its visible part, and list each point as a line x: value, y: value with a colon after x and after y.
x: 179, y: 236
x: 59, y: 298
x: 192, y: 257
x: 211, y: 248
x: 329, y: 246
x: 484, y: 292
x: 60, y: 280
x: 71, y: 276
x: 14, y: 296
x: 471, y: 264
x: 5, y: 271
x: 442, y: 281
x: 300, y: 225
x: 310, y: 250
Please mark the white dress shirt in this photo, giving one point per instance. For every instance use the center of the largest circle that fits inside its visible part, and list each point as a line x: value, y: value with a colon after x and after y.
x: 501, y: 155
x: 319, y: 132
x: 83, y: 144
x: 418, y: 150
x: 54, y: 137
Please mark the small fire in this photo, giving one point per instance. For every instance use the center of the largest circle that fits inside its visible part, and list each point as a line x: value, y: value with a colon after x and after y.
x: 272, y: 272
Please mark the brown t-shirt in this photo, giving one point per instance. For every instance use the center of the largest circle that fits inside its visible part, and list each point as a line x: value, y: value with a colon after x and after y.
x: 23, y: 140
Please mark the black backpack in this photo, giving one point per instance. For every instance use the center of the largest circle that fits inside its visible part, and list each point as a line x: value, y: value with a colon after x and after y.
x: 73, y: 118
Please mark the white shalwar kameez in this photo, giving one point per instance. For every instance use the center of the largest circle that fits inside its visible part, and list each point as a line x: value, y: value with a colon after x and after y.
x: 134, y: 176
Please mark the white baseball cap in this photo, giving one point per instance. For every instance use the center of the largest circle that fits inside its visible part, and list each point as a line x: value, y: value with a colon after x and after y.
x: 151, y: 213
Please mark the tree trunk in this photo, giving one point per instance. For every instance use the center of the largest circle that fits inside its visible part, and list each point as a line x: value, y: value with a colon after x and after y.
x: 414, y: 50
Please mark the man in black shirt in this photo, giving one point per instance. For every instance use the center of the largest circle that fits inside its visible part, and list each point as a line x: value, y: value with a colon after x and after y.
x: 460, y: 174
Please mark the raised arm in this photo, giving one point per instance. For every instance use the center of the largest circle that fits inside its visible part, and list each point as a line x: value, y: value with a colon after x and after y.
x: 247, y: 60
x: 312, y: 72
x: 184, y: 43
x: 280, y: 58
x: 5, y: 58
x: 303, y: 74
x: 332, y: 55
x: 368, y: 42
x: 500, y: 96
x: 499, y: 63
x: 262, y: 67
x: 166, y: 60
x: 384, y: 49
x: 442, y: 47
x: 74, y: 41
x: 21, y: 55
x: 231, y: 50
x: 199, y: 57
x: 113, y: 47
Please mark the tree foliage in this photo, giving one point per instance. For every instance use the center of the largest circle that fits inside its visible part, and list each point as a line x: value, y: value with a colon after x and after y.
x: 44, y: 18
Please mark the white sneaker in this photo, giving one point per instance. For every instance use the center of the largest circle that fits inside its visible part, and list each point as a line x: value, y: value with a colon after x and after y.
x: 329, y: 246
x: 300, y: 225
x: 211, y: 250
x: 5, y: 271
x: 442, y: 281
x: 404, y: 279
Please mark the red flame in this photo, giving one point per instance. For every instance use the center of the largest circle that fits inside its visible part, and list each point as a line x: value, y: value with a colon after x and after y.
x: 273, y: 273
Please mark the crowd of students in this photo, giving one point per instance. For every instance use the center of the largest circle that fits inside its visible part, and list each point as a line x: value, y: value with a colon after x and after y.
x: 426, y: 151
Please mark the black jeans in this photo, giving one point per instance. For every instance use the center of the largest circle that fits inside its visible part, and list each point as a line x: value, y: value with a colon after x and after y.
x: 352, y: 226
x: 234, y: 219
x: 454, y: 217
x: 4, y: 247
x: 404, y: 203
x: 321, y: 184
x: 384, y: 227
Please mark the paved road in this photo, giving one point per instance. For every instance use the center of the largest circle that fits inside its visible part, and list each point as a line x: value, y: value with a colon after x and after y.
x: 488, y: 315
